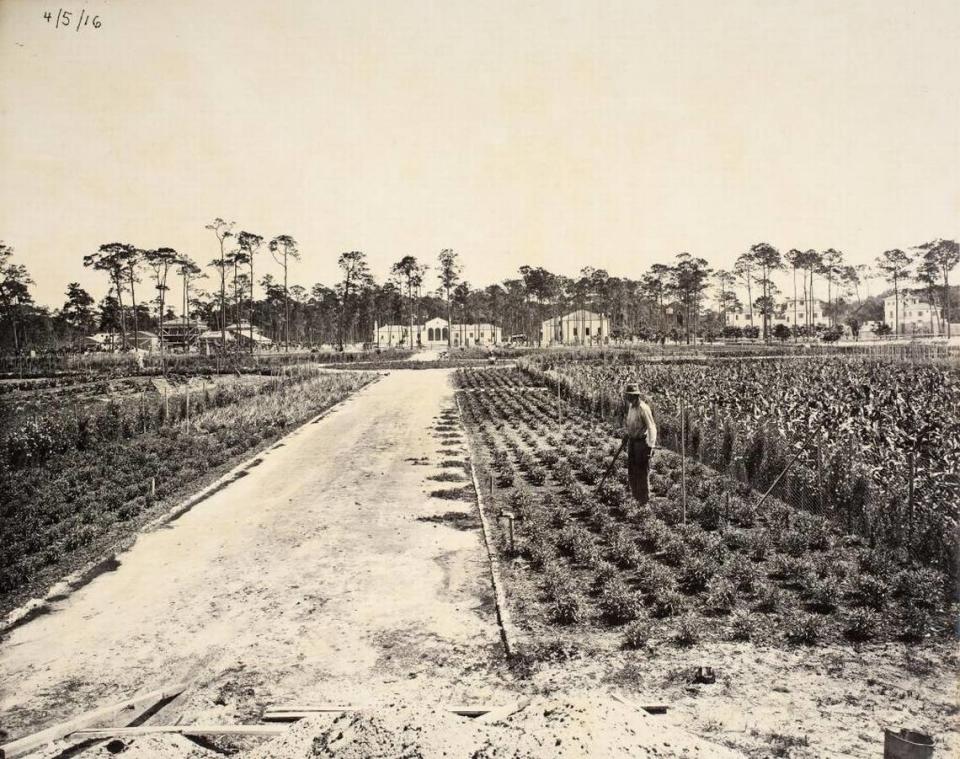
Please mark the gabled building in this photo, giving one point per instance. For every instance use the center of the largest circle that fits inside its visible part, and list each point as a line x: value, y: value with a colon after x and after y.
x: 579, y: 327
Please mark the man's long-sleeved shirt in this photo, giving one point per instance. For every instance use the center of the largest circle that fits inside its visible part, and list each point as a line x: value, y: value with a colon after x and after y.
x: 640, y: 424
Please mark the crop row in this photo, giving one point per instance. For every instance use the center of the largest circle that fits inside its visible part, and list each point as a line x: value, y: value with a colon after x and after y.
x: 718, y: 567
x: 875, y: 446
x: 52, y: 429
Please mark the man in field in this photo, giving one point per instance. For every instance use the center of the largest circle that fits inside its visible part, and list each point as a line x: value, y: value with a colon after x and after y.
x: 641, y: 439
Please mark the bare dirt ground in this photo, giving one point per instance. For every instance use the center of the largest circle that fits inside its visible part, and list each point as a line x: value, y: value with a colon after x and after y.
x: 328, y: 574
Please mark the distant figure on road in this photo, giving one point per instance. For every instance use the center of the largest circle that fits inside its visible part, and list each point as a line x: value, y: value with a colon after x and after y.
x: 641, y: 439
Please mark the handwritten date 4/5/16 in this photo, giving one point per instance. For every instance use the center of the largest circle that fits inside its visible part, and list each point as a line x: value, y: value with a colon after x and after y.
x: 72, y: 19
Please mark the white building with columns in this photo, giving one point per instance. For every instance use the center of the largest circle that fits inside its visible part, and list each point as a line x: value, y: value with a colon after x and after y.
x: 437, y: 333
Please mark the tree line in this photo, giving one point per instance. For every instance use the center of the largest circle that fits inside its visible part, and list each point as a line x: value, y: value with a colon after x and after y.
x: 681, y: 299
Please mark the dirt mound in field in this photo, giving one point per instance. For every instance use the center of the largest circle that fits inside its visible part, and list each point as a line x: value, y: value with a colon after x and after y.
x: 391, y: 730
x: 565, y: 728
x: 589, y: 727
x: 151, y: 747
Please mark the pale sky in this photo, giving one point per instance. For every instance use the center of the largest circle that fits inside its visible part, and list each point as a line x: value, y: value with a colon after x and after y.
x: 553, y: 133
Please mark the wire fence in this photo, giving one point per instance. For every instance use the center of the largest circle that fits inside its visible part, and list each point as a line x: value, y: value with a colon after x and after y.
x: 915, y: 351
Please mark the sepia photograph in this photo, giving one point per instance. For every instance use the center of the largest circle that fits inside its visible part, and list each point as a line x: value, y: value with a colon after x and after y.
x: 479, y: 380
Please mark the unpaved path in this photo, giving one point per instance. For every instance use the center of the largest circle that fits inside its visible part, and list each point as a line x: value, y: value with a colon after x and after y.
x: 327, y: 574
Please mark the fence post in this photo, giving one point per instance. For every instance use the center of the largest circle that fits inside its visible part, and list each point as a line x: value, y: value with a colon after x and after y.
x: 820, y: 479
x: 559, y: 407
x: 911, y: 457
x: 683, y: 458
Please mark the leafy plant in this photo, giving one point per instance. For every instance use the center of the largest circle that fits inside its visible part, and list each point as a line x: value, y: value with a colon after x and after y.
x: 805, y: 629
x: 637, y: 635
x: 742, y: 626
x: 567, y: 607
x: 695, y: 572
x: 769, y: 598
x: 861, y: 624
x: 868, y: 590
x: 619, y: 603
x: 721, y: 594
x: 689, y: 630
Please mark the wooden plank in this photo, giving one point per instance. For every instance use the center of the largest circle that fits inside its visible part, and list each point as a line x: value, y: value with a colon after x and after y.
x: 294, y: 712
x: 494, y: 715
x: 655, y: 708
x: 474, y: 710
x: 137, y: 704
x: 315, y: 708
x: 294, y: 716
x: 651, y: 708
x: 132, y: 732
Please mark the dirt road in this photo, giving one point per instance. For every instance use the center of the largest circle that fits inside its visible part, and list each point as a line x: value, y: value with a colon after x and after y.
x: 327, y: 574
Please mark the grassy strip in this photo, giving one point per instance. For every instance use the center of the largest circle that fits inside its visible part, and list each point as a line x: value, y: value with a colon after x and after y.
x: 50, y: 514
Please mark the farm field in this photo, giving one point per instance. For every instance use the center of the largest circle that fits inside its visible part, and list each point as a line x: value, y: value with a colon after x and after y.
x: 599, y: 588
x: 872, y: 445
x: 89, y: 466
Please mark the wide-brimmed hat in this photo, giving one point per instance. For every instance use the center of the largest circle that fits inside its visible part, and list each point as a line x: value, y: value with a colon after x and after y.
x: 632, y: 389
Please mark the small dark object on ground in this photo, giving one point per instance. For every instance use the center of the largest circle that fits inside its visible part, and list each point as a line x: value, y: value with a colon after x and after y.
x: 705, y: 676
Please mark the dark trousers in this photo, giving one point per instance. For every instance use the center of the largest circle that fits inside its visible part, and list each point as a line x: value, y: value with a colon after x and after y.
x: 638, y: 469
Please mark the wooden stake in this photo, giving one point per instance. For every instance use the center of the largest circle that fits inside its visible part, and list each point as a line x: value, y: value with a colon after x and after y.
x: 683, y: 457
x: 509, y: 516
x: 777, y: 481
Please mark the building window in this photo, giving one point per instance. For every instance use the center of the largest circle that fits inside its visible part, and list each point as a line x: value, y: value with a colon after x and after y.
x: 575, y: 332
x: 586, y: 331
x: 446, y: 334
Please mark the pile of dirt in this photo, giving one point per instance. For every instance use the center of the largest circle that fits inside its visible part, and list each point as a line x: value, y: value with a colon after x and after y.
x: 389, y: 731
x: 566, y: 728
x: 590, y: 726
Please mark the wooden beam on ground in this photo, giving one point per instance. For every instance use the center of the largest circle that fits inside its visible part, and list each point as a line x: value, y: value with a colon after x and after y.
x: 655, y: 708
x: 502, y: 712
x: 473, y: 710
x: 652, y: 708
x: 197, y: 730
x: 293, y: 716
x: 313, y: 708
x: 294, y: 712
x: 135, y: 706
